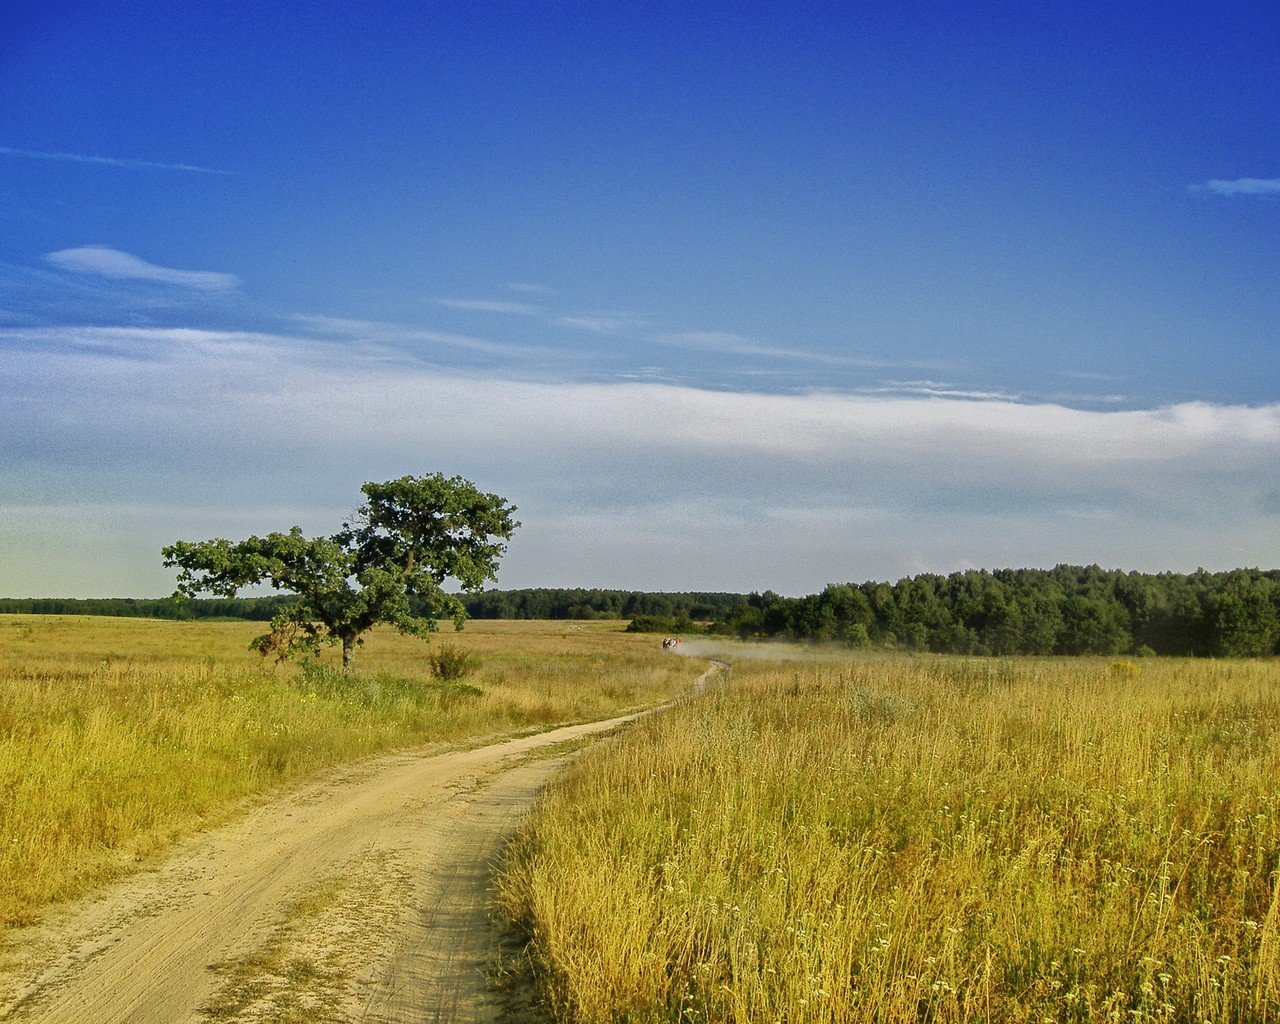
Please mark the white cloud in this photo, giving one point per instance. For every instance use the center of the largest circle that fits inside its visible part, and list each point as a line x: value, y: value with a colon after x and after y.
x: 388, y: 388
x: 112, y: 263
x: 110, y: 161
x: 1245, y: 187
x: 489, y: 306
x: 748, y: 489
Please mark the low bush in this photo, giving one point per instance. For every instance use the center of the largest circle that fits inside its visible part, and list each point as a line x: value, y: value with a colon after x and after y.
x: 663, y: 624
x: 450, y: 663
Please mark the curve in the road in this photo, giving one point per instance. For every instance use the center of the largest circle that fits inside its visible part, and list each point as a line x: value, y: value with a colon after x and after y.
x: 366, y: 899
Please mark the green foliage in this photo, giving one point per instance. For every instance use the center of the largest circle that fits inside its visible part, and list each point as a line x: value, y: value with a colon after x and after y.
x: 383, y: 687
x: 855, y: 635
x: 1065, y: 610
x: 257, y: 609
x: 663, y: 624
x: 388, y: 564
x: 582, y: 603
x: 534, y: 603
x: 450, y: 663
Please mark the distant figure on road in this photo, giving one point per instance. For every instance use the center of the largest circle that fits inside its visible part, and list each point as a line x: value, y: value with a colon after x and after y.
x: 671, y: 643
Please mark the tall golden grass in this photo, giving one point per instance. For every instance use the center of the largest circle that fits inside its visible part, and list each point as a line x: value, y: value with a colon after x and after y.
x: 921, y: 839
x: 119, y: 735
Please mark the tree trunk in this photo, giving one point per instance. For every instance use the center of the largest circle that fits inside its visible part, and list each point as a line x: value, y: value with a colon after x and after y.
x: 348, y: 652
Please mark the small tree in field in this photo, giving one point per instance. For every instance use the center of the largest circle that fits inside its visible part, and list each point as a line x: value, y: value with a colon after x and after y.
x: 390, y: 561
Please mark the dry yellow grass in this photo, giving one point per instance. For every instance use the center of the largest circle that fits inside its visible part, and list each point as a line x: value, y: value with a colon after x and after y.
x: 119, y: 735
x: 921, y: 839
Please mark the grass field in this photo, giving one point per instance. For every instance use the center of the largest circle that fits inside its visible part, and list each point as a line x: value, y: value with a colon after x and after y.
x: 921, y: 839
x: 118, y: 736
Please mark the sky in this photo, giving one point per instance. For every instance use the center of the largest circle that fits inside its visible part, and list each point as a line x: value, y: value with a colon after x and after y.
x: 721, y: 296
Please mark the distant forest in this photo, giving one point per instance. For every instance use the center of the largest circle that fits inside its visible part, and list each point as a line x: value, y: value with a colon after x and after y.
x: 600, y: 604
x: 1066, y: 610
x: 540, y: 603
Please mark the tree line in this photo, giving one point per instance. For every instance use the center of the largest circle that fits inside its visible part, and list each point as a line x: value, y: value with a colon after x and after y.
x: 581, y: 603
x: 253, y: 609
x: 1065, y: 610
x: 535, y: 603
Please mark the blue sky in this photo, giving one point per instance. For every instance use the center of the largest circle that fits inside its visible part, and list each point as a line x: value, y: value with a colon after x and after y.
x: 729, y: 297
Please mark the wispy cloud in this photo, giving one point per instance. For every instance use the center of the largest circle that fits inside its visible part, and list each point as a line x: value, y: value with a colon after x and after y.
x: 341, y: 325
x: 1244, y: 187
x: 111, y: 161
x: 944, y: 390
x: 384, y: 333
x: 491, y: 306
x: 123, y: 266
x: 1077, y: 398
x: 940, y: 389
x: 600, y: 323
x: 729, y: 343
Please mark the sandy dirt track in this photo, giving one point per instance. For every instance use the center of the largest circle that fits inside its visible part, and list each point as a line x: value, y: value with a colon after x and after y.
x: 360, y: 897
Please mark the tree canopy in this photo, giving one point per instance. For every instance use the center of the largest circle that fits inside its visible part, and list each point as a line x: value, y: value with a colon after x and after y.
x: 389, y: 563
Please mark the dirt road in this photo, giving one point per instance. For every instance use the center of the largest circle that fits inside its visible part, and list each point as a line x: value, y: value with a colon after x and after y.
x: 358, y: 898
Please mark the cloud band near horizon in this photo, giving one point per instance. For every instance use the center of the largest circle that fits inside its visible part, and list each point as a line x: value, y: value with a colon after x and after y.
x: 628, y: 484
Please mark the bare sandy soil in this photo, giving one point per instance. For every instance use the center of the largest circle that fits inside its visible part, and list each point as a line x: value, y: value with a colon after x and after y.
x: 361, y: 897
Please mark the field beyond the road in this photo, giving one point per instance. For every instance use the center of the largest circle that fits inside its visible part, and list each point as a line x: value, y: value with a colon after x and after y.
x: 118, y: 736
x: 920, y: 839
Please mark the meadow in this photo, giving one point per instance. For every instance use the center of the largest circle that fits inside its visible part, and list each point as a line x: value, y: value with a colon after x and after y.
x: 924, y: 838
x: 119, y: 736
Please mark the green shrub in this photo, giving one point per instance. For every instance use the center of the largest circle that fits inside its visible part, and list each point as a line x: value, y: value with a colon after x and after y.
x: 384, y: 688
x: 674, y: 625
x: 450, y: 663
x: 319, y: 678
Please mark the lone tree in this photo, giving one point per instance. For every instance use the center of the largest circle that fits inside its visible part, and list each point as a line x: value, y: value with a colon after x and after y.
x: 388, y: 564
